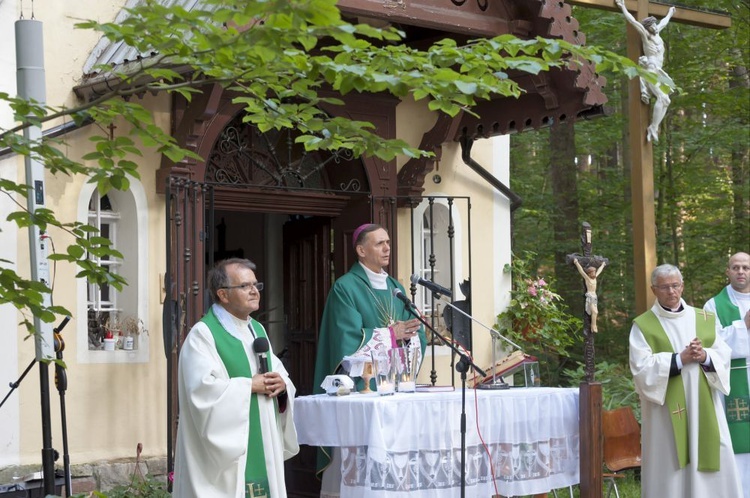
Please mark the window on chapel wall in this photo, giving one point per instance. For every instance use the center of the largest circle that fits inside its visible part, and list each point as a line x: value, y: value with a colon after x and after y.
x: 435, y: 246
x: 107, y: 308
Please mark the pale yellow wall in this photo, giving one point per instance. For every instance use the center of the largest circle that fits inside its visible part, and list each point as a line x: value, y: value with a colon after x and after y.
x: 110, y: 407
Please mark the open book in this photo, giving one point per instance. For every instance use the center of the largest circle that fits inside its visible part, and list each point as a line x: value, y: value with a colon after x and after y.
x: 505, y: 366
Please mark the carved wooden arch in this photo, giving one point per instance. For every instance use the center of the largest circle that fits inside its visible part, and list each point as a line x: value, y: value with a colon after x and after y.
x: 198, y: 124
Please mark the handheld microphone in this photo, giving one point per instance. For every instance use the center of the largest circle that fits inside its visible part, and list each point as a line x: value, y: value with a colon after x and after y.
x: 402, y: 297
x: 260, y: 346
x: 428, y: 284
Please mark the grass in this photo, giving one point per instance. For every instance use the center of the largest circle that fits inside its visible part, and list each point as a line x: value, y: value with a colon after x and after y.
x: 628, y: 487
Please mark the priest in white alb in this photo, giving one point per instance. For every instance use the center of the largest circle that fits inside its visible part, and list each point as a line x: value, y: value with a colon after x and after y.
x: 732, y: 308
x: 236, y: 427
x: 680, y: 366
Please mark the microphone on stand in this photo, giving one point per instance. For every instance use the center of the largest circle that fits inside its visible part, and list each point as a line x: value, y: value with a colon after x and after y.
x: 409, y: 306
x: 428, y: 284
x: 402, y: 297
x: 260, y: 346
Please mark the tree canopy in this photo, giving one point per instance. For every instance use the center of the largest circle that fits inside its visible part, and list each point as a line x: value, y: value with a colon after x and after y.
x: 278, y: 56
x: 701, y: 171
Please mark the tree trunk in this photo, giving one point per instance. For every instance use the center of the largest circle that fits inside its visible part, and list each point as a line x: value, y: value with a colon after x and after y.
x: 740, y: 166
x: 565, y: 221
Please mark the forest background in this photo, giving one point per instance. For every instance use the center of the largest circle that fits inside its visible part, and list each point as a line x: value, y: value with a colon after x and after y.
x: 570, y: 174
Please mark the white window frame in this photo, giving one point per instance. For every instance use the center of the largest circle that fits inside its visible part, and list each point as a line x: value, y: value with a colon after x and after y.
x: 99, y: 218
x: 422, y: 234
x: 133, y: 242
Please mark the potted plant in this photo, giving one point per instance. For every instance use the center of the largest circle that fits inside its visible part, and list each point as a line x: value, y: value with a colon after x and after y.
x: 535, y: 318
x: 124, y: 330
x: 132, y: 328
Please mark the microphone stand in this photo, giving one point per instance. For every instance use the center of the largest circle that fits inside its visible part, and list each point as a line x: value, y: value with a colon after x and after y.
x: 462, y: 366
x: 14, y: 385
x: 61, y: 382
x: 494, y: 334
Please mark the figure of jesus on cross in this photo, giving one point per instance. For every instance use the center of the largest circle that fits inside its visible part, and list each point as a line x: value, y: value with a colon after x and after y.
x: 652, y: 60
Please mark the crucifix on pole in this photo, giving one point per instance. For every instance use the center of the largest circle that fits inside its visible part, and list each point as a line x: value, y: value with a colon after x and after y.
x: 589, y: 267
x: 641, y: 150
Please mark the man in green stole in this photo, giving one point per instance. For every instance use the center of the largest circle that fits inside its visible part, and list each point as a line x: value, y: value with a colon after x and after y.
x: 680, y: 367
x: 361, y: 315
x: 732, y: 307
x: 236, y: 401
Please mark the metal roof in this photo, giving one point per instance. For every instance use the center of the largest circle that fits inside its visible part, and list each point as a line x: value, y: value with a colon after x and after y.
x: 117, y: 53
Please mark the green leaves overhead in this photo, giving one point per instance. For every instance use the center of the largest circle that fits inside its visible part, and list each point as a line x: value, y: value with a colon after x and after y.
x: 277, y: 56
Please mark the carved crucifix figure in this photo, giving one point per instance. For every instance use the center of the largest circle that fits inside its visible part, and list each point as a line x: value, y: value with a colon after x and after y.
x: 653, y: 60
x: 590, y: 267
x: 589, y: 277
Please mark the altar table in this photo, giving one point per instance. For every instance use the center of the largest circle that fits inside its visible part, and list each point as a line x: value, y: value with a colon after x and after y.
x: 410, y: 444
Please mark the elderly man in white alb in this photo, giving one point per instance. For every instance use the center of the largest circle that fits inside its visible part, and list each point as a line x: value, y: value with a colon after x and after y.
x: 680, y: 366
x: 732, y: 307
x: 236, y: 399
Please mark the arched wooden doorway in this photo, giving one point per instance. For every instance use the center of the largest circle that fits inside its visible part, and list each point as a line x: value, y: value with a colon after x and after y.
x: 261, y: 196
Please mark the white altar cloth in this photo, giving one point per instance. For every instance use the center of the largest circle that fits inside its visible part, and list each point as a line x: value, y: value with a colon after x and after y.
x: 409, y: 444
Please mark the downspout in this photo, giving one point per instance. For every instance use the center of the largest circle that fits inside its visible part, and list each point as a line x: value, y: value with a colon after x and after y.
x: 466, y: 143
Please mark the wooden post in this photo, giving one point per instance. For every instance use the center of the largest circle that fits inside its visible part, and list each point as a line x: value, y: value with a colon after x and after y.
x: 590, y: 415
x: 642, y: 178
x: 590, y: 392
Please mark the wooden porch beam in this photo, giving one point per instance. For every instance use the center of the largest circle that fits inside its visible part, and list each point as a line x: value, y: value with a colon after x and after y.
x: 472, y: 18
x: 683, y: 15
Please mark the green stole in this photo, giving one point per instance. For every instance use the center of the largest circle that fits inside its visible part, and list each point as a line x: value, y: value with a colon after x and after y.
x: 738, y: 399
x: 708, y: 426
x: 232, y: 354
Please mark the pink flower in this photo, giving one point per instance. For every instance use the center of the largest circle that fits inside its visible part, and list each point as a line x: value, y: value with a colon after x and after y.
x: 532, y: 290
x: 170, y: 476
x: 542, y: 283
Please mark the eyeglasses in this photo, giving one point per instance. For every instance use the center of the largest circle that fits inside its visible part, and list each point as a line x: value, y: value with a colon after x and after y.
x: 258, y: 286
x: 667, y: 287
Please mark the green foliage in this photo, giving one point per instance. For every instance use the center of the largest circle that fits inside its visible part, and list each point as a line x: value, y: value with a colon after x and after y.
x: 701, y: 169
x: 277, y: 56
x: 535, y: 318
x: 148, y: 487
x: 618, y: 388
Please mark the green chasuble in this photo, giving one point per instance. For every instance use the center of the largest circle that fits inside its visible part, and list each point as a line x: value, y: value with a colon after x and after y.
x: 232, y: 354
x: 708, y: 433
x: 738, y: 399
x: 353, y: 309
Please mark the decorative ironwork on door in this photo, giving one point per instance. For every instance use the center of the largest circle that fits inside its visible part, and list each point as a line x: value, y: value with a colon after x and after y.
x: 244, y: 155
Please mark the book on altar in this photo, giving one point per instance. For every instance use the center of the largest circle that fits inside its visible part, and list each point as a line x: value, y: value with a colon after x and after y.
x: 506, y: 366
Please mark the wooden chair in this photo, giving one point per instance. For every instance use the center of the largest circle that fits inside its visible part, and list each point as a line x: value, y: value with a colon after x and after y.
x: 622, y: 445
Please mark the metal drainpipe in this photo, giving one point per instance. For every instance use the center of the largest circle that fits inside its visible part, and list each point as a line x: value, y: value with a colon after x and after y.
x: 466, y: 143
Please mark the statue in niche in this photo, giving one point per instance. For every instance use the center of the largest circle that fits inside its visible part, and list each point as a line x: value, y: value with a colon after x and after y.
x: 652, y: 60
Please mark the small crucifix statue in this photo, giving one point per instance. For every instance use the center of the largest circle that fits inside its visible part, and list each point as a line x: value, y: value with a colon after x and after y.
x: 589, y: 267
